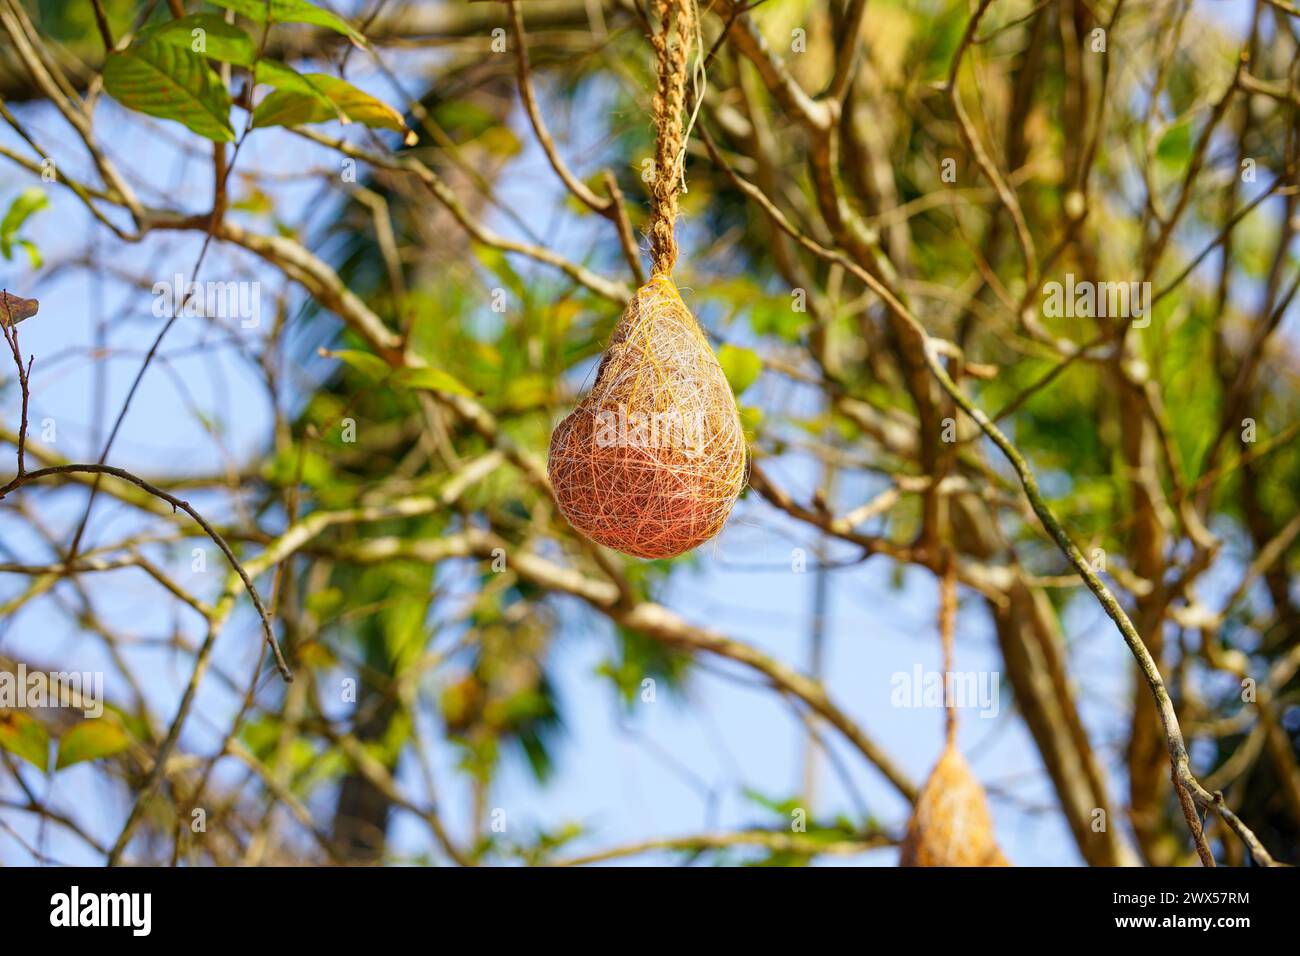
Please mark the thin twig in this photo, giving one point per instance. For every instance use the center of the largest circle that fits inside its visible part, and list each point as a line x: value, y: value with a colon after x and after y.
x: 176, y: 503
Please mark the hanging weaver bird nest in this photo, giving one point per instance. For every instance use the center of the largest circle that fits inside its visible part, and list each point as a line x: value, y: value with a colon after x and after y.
x: 950, y: 824
x: 653, y: 459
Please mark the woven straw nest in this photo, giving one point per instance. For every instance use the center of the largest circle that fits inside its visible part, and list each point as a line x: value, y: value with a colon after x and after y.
x: 653, y: 459
x: 950, y: 824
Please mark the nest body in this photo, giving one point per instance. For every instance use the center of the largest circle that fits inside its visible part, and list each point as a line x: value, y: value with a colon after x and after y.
x: 652, y: 461
x: 950, y: 824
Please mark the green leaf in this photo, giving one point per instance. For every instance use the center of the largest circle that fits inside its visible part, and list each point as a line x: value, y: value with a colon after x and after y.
x: 369, y: 365
x: 284, y: 77
x: 90, y: 740
x: 24, y: 736
x: 291, y: 11
x: 28, y: 202
x: 219, y: 40
x: 327, y: 98
x: 372, y: 366
x: 255, y: 202
x: 161, y: 79
x: 33, y: 254
x: 741, y: 366
x: 780, y: 807
x: 498, y: 263
x: 324, y: 604
x: 432, y: 379
x: 1175, y: 147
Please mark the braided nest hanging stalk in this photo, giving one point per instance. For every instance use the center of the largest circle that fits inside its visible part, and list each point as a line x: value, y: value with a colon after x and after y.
x: 950, y: 824
x: 652, y: 461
